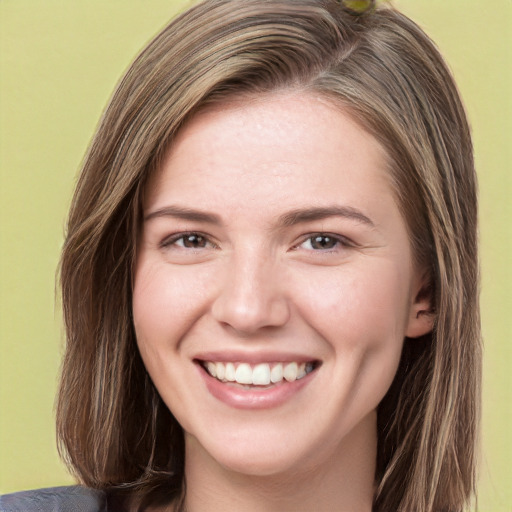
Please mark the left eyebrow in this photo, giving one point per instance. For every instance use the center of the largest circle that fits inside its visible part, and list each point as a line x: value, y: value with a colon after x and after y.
x: 311, y: 214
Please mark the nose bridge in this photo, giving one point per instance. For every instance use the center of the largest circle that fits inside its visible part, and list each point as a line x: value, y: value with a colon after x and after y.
x: 251, y: 295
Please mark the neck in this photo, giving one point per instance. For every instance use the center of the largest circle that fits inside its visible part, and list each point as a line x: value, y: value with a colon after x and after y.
x: 341, y: 482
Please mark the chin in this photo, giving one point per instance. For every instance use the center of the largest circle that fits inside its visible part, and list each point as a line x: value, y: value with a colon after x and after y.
x: 264, y: 454
x: 268, y: 464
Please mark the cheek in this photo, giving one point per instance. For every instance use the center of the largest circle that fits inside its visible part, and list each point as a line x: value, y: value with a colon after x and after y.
x: 361, y: 307
x: 164, y: 303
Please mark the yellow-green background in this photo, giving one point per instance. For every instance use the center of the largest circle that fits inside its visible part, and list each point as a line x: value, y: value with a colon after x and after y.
x: 60, y: 60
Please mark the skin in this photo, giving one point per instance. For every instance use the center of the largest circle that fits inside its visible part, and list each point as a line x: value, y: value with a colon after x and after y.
x: 254, y: 283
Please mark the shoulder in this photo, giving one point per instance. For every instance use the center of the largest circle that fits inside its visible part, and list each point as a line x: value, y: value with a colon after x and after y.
x: 54, y: 499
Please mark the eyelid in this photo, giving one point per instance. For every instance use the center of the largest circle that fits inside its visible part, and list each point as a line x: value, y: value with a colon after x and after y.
x: 171, y: 240
x: 341, y: 240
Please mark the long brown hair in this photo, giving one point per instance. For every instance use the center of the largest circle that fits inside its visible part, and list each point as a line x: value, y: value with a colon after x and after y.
x: 114, y: 429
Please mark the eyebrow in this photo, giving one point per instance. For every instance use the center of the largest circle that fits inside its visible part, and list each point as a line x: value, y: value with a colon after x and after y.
x: 302, y: 215
x: 291, y: 218
x: 184, y: 213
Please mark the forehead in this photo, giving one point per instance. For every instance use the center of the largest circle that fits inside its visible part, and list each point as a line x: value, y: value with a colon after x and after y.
x: 292, y: 139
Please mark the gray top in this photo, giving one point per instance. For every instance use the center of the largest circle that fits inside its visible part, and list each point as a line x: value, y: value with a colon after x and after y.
x: 55, y: 499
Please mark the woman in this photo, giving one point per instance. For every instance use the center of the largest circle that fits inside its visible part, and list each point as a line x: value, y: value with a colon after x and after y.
x: 270, y: 273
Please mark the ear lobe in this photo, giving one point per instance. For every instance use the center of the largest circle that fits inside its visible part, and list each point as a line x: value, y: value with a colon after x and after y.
x: 421, y: 313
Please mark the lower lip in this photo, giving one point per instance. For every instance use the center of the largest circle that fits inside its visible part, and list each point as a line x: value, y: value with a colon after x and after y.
x: 254, y: 398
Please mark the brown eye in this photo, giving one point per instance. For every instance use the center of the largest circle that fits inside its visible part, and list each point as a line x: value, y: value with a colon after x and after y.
x: 192, y: 241
x: 187, y: 241
x: 323, y: 242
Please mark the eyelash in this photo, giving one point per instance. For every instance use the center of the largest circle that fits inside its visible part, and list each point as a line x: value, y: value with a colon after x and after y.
x: 339, y: 241
x: 171, y: 241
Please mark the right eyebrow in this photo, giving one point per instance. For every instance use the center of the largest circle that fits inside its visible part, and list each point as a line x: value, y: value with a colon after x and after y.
x: 184, y: 213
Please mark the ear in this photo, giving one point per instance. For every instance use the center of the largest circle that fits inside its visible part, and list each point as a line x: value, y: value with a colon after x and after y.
x: 421, y: 311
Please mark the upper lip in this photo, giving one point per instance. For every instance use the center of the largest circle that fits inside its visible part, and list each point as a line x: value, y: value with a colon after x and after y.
x: 237, y: 356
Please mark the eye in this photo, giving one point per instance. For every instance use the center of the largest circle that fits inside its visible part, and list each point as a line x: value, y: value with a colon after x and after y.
x: 323, y: 242
x: 192, y: 241
x: 188, y: 241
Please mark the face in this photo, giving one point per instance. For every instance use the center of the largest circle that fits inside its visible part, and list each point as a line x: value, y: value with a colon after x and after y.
x: 274, y: 283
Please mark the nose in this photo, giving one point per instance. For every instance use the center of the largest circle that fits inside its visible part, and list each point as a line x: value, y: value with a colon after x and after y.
x: 251, y: 295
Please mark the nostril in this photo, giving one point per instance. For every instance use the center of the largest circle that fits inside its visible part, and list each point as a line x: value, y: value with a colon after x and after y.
x: 246, y: 315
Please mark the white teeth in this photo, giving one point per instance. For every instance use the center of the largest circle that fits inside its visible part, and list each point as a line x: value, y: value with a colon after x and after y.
x: 220, y: 370
x: 276, y: 374
x: 290, y: 372
x: 262, y: 374
x: 230, y: 372
x: 243, y: 374
x: 212, y: 369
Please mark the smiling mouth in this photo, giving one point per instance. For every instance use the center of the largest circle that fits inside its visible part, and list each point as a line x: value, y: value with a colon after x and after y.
x: 262, y: 374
